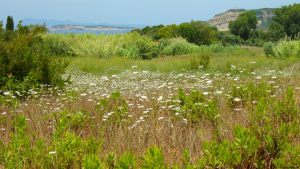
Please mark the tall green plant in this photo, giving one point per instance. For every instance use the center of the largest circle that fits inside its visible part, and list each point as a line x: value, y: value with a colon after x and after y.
x: 9, y: 23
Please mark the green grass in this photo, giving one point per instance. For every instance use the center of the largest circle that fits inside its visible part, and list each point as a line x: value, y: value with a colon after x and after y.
x: 178, y: 64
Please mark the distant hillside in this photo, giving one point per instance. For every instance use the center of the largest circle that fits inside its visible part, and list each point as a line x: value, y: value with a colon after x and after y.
x: 222, y: 20
x: 67, y: 26
x: 49, y: 23
x: 96, y: 29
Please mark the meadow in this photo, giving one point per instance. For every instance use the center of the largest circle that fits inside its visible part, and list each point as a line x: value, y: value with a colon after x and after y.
x: 131, y: 102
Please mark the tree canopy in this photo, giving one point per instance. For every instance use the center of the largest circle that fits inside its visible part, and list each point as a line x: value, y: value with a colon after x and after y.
x: 198, y: 32
x: 286, y: 21
x: 10, y: 23
x: 245, y: 25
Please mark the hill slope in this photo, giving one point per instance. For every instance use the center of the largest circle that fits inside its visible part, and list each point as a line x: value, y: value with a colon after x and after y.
x: 222, y: 20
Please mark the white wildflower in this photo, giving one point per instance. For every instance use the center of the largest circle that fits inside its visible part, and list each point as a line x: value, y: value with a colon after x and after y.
x: 160, y: 98
x: 161, y: 118
x: 52, y: 152
x: 236, y: 99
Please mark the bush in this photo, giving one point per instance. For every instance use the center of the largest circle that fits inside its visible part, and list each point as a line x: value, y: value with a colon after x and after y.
x: 115, y: 107
x: 153, y: 159
x: 286, y: 21
x: 287, y: 48
x: 229, y: 39
x: 176, y: 46
x: 244, y: 25
x: 283, y: 49
x: 268, y: 49
x: 25, y: 61
x: 140, y: 48
x: 197, y: 32
x: 58, y: 46
x: 127, y: 161
x: 200, y: 61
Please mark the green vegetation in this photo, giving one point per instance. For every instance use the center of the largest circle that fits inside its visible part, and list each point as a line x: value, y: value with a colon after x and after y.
x: 196, y: 32
x: 176, y: 96
x: 283, y: 49
x: 286, y: 22
x: 265, y: 141
x: 244, y: 26
x: 25, y: 62
x: 9, y: 24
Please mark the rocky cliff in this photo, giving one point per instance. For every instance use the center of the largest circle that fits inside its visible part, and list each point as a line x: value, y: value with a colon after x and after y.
x: 221, y: 21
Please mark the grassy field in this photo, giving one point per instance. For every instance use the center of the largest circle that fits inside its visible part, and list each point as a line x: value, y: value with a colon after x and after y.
x: 254, y: 60
x: 203, y: 107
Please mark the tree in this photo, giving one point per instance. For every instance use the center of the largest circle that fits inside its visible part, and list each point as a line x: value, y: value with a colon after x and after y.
x: 10, y: 23
x: 244, y: 25
x: 1, y: 25
x: 197, y: 32
x: 168, y: 31
x: 286, y: 21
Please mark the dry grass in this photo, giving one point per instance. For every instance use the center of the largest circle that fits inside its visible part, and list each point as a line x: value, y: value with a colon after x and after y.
x: 150, y: 122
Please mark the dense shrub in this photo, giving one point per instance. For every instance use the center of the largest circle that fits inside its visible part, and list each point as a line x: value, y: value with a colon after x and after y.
x: 286, y: 22
x: 25, y: 61
x: 268, y: 49
x: 140, y: 48
x: 132, y: 45
x: 229, y: 39
x: 283, y: 49
x: 177, y: 46
x: 265, y: 143
x: 196, y: 32
x: 199, y: 61
x: 58, y: 46
x: 199, y: 33
x: 245, y: 25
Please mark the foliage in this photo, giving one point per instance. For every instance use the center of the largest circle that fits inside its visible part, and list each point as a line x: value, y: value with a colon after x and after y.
x: 141, y: 48
x: 286, y: 21
x: 283, y: 49
x: 264, y: 144
x: 92, y: 162
x: 1, y: 26
x: 240, y: 153
x: 229, y: 39
x: 197, y: 32
x: 199, y: 61
x: 131, y: 46
x: 127, y: 161
x: 245, y: 25
x: 116, y: 107
x: 250, y: 93
x: 267, y: 140
x: 268, y: 49
x: 25, y: 61
x: 153, y: 159
x: 10, y: 23
x: 177, y: 46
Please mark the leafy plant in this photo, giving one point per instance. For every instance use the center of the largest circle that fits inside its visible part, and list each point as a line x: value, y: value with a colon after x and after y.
x: 115, y: 107
x: 126, y: 161
x: 153, y: 159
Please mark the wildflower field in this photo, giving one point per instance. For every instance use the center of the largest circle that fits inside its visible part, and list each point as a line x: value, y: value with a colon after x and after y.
x: 231, y: 107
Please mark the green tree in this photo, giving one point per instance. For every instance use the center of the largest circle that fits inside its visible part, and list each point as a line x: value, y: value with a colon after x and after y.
x: 197, y: 32
x: 244, y: 25
x: 1, y: 26
x: 168, y: 31
x: 286, y: 22
x: 10, y: 23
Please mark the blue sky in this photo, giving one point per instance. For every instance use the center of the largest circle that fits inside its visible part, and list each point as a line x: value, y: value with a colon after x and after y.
x: 145, y: 12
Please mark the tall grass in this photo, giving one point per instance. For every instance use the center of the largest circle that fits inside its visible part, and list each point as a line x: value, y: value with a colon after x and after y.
x: 102, y: 46
x: 283, y: 48
x: 180, y: 63
x: 132, y: 45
